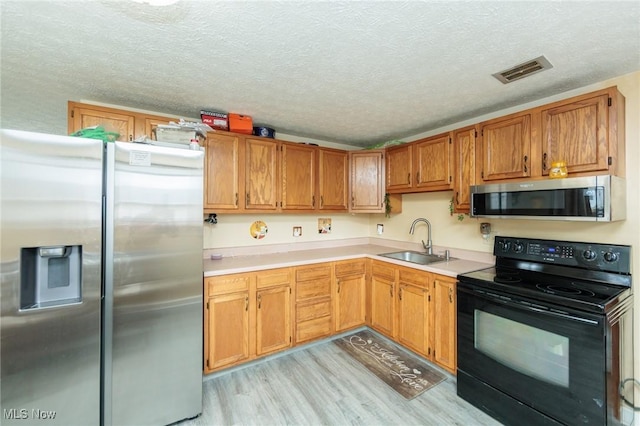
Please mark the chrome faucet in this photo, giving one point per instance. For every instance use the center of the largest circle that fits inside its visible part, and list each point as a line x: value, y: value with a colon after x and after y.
x: 429, y: 245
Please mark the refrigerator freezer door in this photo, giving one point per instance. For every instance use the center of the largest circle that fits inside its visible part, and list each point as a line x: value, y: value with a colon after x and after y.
x: 154, y: 199
x: 50, y: 279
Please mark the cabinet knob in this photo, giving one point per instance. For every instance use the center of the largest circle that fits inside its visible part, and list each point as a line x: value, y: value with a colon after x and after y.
x: 246, y: 303
x: 259, y: 301
x: 544, y: 161
x: 525, y: 163
x: 450, y: 295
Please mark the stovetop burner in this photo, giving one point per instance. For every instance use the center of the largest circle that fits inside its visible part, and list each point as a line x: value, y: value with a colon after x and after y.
x: 507, y: 278
x: 572, y: 290
x: 552, y: 289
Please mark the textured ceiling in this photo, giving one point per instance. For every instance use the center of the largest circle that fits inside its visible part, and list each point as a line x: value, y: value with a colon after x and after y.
x: 350, y: 72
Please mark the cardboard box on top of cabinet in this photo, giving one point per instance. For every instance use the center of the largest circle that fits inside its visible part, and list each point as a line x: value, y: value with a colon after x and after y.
x: 217, y: 120
x: 174, y: 134
x: 240, y: 123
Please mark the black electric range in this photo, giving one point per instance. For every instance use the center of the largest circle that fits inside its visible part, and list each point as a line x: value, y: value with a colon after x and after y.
x: 591, y: 277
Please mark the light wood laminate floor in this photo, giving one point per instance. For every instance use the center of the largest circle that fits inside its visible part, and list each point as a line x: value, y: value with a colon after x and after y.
x: 322, y: 385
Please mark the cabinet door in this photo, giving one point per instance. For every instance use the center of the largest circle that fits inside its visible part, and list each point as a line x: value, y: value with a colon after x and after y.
x: 444, y: 323
x: 273, y: 319
x: 298, y: 177
x: 222, y: 172
x: 464, y: 141
x: 399, y: 168
x: 228, y: 326
x: 333, y: 179
x: 366, y: 186
x: 350, y: 294
x: 432, y: 158
x: 382, y: 303
x: 413, y: 317
x: 577, y: 133
x: 506, y: 148
x: 261, y: 174
x: 82, y: 116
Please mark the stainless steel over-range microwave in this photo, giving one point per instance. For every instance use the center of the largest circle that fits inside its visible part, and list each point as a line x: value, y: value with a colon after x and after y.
x: 592, y: 198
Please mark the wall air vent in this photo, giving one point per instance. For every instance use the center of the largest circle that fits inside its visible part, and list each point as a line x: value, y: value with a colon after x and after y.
x: 524, y: 69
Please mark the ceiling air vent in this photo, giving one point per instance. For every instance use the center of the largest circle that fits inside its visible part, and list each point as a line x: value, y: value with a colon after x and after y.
x: 523, y: 70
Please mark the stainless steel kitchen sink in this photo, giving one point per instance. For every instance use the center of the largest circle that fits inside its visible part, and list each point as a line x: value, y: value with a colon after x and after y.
x: 415, y: 257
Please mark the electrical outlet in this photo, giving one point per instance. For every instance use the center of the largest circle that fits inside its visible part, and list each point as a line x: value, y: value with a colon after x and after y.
x: 297, y: 231
x: 380, y: 229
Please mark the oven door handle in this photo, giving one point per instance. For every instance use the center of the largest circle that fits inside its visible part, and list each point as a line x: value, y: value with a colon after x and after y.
x: 527, y: 306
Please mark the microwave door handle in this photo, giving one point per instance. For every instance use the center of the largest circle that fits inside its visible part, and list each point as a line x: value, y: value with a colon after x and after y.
x: 587, y: 205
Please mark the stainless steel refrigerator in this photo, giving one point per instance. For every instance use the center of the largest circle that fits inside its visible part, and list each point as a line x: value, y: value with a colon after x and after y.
x: 101, y: 281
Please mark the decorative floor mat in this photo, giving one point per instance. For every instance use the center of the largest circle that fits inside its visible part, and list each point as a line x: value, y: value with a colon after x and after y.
x: 406, y: 374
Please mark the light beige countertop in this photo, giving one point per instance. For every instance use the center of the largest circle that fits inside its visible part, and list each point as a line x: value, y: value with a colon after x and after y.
x: 271, y: 260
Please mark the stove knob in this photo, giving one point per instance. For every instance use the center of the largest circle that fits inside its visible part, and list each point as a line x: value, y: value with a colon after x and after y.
x: 589, y: 254
x: 504, y: 245
x: 611, y: 257
x: 518, y: 247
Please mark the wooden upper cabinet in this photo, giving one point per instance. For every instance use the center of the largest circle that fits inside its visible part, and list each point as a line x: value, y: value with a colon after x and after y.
x: 298, y: 176
x: 129, y: 124
x: 586, y: 132
x: 464, y: 143
x: 366, y: 186
x: 399, y: 168
x: 333, y: 179
x: 82, y: 116
x: 222, y: 172
x: 505, y: 148
x: 432, y: 163
x: 261, y: 174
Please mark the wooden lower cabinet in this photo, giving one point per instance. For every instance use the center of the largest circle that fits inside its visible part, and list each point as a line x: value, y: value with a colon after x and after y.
x: 421, y: 316
x: 444, y: 322
x: 382, y: 294
x: 313, y: 304
x: 250, y: 315
x: 350, y: 308
x: 413, y: 310
x: 246, y: 316
x: 273, y: 311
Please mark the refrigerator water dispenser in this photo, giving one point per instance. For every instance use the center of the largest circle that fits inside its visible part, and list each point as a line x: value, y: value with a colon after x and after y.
x: 50, y: 276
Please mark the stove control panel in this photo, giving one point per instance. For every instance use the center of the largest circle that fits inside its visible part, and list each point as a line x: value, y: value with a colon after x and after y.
x: 594, y: 256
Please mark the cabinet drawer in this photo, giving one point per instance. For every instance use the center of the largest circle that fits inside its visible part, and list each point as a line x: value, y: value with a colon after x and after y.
x: 313, y: 310
x: 227, y: 283
x: 350, y: 268
x: 313, y: 288
x: 414, y: 277
x: 313, y: 272
x: 381, y: 270
x: 313, y: 329
x: 273, y: 277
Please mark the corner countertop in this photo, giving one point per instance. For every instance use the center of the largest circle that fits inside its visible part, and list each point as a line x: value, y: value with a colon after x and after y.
x: 252, y: 263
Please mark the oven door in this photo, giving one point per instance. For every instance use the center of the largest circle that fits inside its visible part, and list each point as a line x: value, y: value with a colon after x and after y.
x: 551, y: 360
